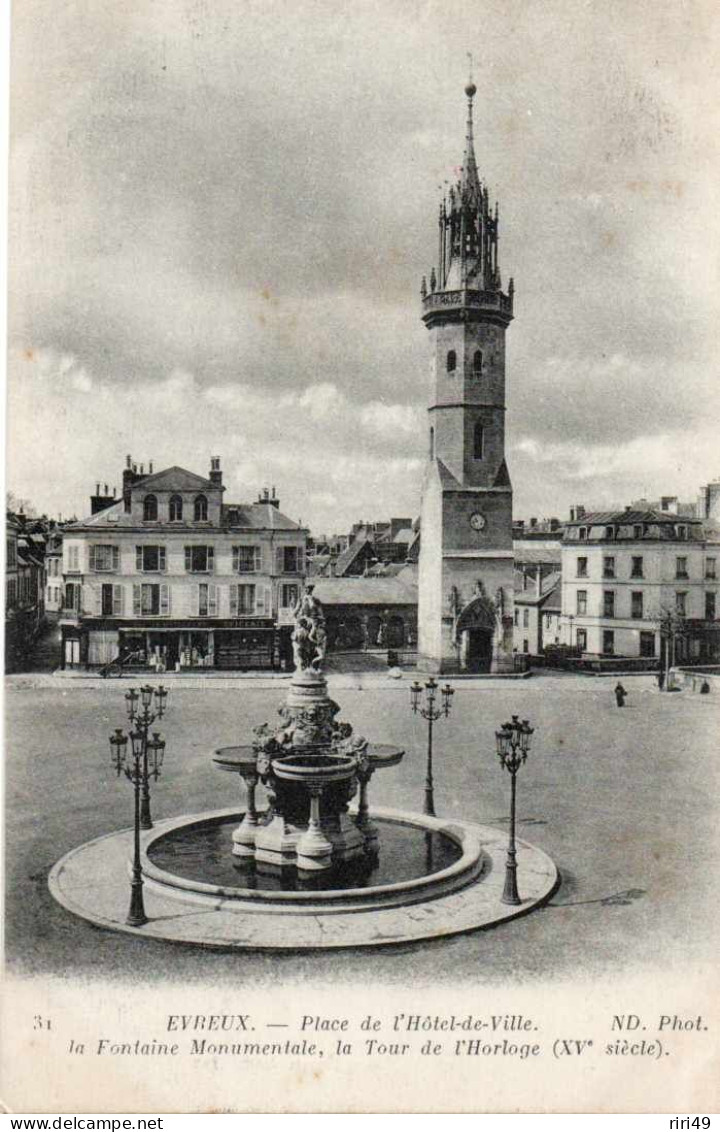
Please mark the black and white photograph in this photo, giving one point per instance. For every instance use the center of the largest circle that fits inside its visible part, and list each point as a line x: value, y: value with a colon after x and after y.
x: 362, y: 562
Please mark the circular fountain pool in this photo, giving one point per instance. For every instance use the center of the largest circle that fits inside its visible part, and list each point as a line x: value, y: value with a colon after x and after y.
x: 204, y: 853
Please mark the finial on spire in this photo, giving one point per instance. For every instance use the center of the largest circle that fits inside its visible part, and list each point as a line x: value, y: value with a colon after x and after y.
x: 470, y: 88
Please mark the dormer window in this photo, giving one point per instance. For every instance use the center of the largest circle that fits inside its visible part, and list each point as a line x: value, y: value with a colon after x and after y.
x: 637, y: 531
x: 176, y: 508
x: 477, y: 362
x: 582, y: 533
x: 451, y: 361
x: 200, y: 509
x: 681, y: 532
x: 150, y: 509
x: 609, y: 532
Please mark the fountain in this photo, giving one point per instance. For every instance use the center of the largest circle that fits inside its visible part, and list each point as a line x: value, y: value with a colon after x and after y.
x: 309, y: 865
x: 311, y: 766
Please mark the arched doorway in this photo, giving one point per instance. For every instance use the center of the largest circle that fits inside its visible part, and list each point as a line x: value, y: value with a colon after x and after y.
x: 474, y: 633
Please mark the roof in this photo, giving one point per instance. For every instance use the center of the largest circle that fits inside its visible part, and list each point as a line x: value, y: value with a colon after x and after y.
x: 176, y: 479
x: 606, y: 518
x: 255, y: 516
x: 532, y: 555
x: 404, y: 535
x: 350, y: 555
x: 365, y: 591
x: 550, y: 586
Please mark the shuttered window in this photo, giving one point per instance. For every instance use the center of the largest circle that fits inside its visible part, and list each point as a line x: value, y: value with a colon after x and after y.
x: 246, y: 559
x: 104, y: 559
x: 207, y: 600
x: 199, y: 559
x: 150, y: 559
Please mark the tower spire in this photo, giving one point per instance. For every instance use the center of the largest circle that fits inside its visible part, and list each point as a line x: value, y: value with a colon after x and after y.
x: 471, y: 180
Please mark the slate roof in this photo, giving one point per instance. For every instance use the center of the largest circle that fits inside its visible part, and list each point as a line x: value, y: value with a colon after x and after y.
x: 348, y: 556
x: 366, y: 591
x: 176, y: 479
x: 550, y: 588
x: 608, y: 518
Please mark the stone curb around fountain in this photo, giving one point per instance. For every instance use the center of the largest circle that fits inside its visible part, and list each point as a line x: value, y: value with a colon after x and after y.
x: 92, y: 882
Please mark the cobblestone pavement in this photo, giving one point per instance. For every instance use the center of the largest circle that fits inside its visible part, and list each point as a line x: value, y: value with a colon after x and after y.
x: 625, y: 801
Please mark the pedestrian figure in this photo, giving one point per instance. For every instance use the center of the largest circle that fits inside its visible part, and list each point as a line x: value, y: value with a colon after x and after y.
x: 704, y: 688
x: 620, y: 695
x: 661, y: 678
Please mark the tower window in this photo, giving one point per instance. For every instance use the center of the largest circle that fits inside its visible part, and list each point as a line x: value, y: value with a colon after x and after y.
x: 150, y: 508
x: 451, y: 362
x: 176, y: 505
x: 432, y: 443
x: 201, y: 509
x: 478, y: 441
x: 477, y: 362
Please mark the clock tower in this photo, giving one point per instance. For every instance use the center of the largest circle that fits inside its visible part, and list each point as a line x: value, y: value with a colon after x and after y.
x: 465, y: 598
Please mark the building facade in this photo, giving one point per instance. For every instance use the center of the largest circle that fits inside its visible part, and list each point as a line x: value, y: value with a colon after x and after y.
x: 171, y: 577
x: 465, y: 615
x: 537, y: 611
x: 637, y: 582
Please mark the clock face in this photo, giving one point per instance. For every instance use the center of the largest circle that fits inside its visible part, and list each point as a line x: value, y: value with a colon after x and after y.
x: 477, y: 521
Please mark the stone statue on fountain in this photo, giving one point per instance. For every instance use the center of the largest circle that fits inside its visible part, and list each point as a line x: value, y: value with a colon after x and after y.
x: 309, y: 637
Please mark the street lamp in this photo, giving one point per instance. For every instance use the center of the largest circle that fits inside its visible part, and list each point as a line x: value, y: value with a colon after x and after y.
x: 513, y: 746
x: 143, y: 717
x: 142, y: 751
x: 431, y: 713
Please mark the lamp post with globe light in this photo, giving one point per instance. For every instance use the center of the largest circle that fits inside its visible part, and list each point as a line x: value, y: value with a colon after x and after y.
x: 513, y: 746
x: 144, y: 758
x: 142, y: 716
x: 431, y: 712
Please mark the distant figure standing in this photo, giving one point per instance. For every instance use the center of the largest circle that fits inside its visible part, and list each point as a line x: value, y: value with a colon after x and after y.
x: 620, y: 695
x: 661, y: 678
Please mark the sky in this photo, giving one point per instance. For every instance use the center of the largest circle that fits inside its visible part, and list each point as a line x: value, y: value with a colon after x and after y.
x: 221, y: 211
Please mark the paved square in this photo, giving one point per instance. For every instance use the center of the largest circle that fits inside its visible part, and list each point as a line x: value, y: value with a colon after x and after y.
x: 624, y: 801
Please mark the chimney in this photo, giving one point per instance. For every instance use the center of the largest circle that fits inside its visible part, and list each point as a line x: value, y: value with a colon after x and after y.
x: 97, y: 489
x: 533, y: 523
x: 128, y: 462
x: 274, y: 499
x: 150, y: 468
x: 215, y: 473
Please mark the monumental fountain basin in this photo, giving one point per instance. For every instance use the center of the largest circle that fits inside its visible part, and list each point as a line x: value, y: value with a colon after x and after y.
x: 464, y: 844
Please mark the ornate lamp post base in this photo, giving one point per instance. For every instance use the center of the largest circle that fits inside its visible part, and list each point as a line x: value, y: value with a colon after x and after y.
x: 510, y: 892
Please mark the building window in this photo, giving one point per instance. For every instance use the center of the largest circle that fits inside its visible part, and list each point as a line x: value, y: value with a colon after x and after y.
x: 710, y: 568
x: 150, y: 508
x: 582, y: 533
x: 72, y: 596
x: 199, y: 559
x: 151, y: 599
x: 636, y: 604
x: 104, y: 559
x: 647, y: 644
x: 517, y: 616
x: 478, y: 441
x: 11, y: 553
x: 451, y: 361
x: 111, y: 600
x: 526, y: 645
x: 636, y: 570
x: 581, y: 602
x: 150, y: 559
x: 709, y: 606
x: 637, y: 531
x: 581, y: 639
x: 289, y: 596
x: 242, y: 600
x: 681, y: 568
x: 73, y: 559
x: 608, y: 567
x: 582, y: 568
x: 207, y: 600
x: 290, y: 560
x: 681, y: 604
x: 681, y: 532
x: 200, y: 510
x: 608, y: 642
x: 432, y: 443
x: 609, y: 532
x: 526, y: 618
x: 246, y: 559
x: 608, y: 603
x: 477, y: 362
x: 175, y: 509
